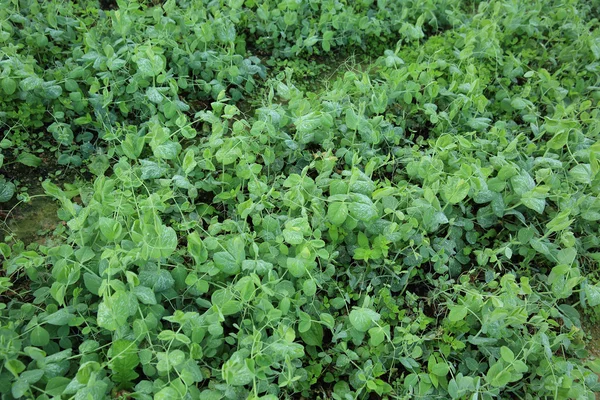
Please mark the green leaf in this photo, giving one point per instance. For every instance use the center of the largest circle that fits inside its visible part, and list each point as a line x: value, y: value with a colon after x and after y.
x: 8, y: 86
x: 7, y: 190
x: 196, y: 248
x: 39, y: 336
x: 52, y: 92
x: 377, y: 336
x: 314, y: 335
x: 235, y: 371
x: 309, y: 287
x: 592, y: 295
x: 167, y: 151
x: 110, y: 228
x: 582, y: 173
x: 19, y: 388
x: 327, y: 39
x: 56, y: 386
x: 189, y: 161
x: 151, y: 170
x: 363, y: 318
x: 145, y: 67
x: 151, y: 66
x: 60, y: 317
x: 498, y: 376
x: 522, y: 183
x: 114, y: 310
x: 176, y: 357
x: 455, y: 190
x: 507, y: 354
x: 123, y: 355
x: 518, y: 103
x: 159, y: 242
x: 31, y: 83
x: 457, y: 313
x: 328, y: 320
x: 296, y: 266
x: 145, y: 295
x: 530, y: 200
x: 352, y: 119
x: 227, y: 263
x: 132, y: 146
x: 362, y: 208
x: 559, y: 140
x: 337, y: 213
x: 440, y: 369
x: 14, y: 366
x: 154, y: 95
x: 167, y: 393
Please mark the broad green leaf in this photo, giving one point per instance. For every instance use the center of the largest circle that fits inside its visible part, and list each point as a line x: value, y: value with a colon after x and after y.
x: 29, y: 159
x: 530, y: 200
x: 337, y: 212
x: 57, y: 385
x: 31, y: 83
x: 507, y: 354
x: 440, y: 369
x: 313, y: 336
x: 14, y: 366
x: 132, y: 146
x: 52, y: 92
x: 456, y: 189
x: 154, y: 95
x: 351, y: 119
x: 559, y: 140
x: 309, y: 287
x: 19, y: 388
x: 39, y: 336
x: 296, y: 266
x: 457, y: 313
x: 167, y: 393
x: 167, y: 151
x: 293, y: 235
x: 189, y: 161
x: 363, y: 318
x: 114, y: 310
x: 152, y: 170
x: 362, y: 208
x: 60, y: 317
x: 145, y: 295
x: 227, y: 263
x: 498, y: 375
x: 196, y: 248
x: 8, y: 85
x: 124, y: 358
x: 581, y: 173
x: 110, y: 228
x: 592, y: 295
x: 522, y: 183
x: 377, y: 336
x: 145, y: 67
x: 7, y: 190
x: 159, y: 242
x: 518, y: 103
x: 235, y: 371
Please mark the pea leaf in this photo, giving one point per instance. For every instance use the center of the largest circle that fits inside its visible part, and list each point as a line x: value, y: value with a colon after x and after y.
x: 363, y: 318
x: 124, y: 358
x: 337, y: 213
x: 456, y: 189
x: 7, y: 190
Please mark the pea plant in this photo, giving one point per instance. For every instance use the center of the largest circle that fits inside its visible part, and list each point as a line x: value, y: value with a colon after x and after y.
x: 424, y: 225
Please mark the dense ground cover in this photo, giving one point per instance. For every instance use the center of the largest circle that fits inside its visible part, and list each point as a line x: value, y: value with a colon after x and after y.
x: 301, y: 199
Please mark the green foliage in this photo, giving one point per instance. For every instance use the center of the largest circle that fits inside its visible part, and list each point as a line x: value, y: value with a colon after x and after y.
x: 425, y: 225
